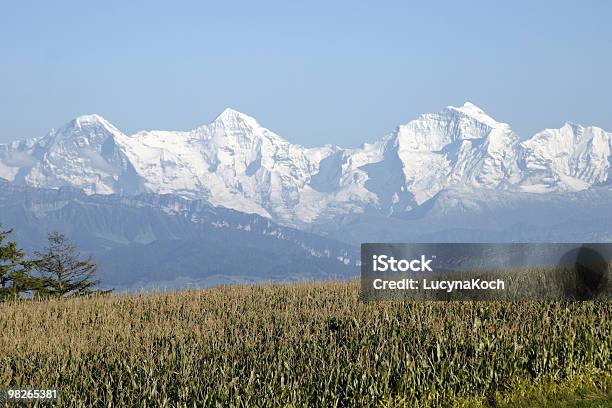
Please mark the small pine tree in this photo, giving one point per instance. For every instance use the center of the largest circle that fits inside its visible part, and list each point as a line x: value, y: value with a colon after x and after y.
x: 15, y: 271
x: 62, y: 271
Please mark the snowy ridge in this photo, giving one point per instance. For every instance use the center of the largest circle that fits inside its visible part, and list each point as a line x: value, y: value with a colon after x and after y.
x: 236, y: 163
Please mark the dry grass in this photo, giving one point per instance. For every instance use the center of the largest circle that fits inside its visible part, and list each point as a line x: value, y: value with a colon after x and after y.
x: 302, y: 345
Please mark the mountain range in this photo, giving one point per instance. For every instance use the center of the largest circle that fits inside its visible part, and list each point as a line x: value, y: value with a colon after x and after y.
x: 236, y: 163
x: 165, y: 241
x: 454, y: 175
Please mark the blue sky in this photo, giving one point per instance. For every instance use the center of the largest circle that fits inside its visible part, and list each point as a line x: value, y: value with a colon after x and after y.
x: 314, y: 72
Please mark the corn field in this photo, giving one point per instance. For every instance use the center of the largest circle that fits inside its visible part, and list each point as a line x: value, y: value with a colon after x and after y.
x: 310, y: 344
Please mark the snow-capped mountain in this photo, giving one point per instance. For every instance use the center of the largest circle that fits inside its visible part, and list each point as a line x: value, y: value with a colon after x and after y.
x: 236, y: 163
x: 86, y: 153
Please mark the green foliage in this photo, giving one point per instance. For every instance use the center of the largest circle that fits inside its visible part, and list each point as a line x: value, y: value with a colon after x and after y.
x: 62, y: 270
x: 15, y: 271
x: 299, y: 345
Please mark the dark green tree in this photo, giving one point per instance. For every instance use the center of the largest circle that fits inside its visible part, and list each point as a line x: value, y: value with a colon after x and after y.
x: 15, y: 270
x: 62, y: 270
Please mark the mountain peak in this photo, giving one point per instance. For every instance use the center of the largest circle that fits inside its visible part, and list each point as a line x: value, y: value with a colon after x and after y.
x: 84, y: 125
x: 473, y: 111
x: 470, y: 107
x: 232, y: 115
x: 572, y: 125
x: 91, y: 119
